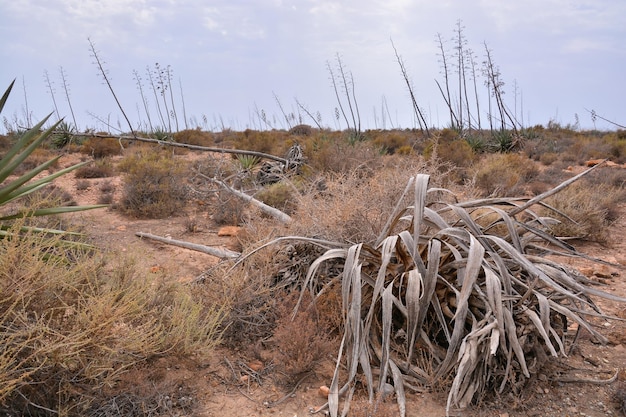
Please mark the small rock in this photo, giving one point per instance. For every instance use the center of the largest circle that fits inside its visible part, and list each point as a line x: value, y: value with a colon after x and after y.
x: 256, y: 366
x: 229, y: 231
x: 324, y: 391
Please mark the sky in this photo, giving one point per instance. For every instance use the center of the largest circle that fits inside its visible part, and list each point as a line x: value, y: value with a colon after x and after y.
x: 242, y: 64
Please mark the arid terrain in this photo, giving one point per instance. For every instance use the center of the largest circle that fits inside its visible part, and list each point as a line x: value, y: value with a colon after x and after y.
x: 233, y: 384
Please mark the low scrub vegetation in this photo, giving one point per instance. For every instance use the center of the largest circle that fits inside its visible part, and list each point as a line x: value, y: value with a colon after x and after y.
x: 415, y: 261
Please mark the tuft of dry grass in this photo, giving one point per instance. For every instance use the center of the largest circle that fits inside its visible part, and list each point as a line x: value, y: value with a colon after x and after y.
x: 300, y: 342
x: 73, y: 322
x: 504, y: 175
x: 586, y: 210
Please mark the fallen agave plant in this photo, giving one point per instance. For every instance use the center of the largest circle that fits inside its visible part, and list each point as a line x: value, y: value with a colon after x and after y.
x: 454, y: 291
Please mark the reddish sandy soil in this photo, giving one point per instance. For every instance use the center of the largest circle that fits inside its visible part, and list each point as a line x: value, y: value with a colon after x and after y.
x: 226, y: 386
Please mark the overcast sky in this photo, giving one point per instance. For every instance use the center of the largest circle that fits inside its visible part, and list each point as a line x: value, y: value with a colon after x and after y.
x: 236, y: 59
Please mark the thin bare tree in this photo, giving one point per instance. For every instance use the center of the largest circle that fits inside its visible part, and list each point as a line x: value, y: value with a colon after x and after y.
x: 143, y: 97
x: 418, y: 112
x: 46, y: 78
x: 66, y: 89
x: 100, y: 64
x: 446, y: 76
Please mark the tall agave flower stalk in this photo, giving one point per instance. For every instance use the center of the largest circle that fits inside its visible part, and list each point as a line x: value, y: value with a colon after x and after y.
x: 454, y: 291
x: 21, y: 186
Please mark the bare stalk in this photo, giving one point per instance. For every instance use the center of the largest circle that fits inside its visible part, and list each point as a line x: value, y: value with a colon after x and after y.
x: 67, y: 95
x: 336, y: 89
x: 446, y: 74
x: 282, y: 110
x: 595, y: 116
x: 493, y: 73
x: 174, y: 115
x: 182, y: 99
x: 418, y: 113
x: 162, y: 87
x: 51, y: 91
x: 29, y: 122
x: 308, y: 113
x: 156, y: 96
x: 103, y: 72
x: 143, y: 98
x: 348, y: 88
x: 474, y: 78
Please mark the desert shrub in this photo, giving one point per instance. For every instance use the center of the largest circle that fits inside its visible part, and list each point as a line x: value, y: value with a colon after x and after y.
x: 353, y: 205
x: 504, y: 174
x: 228, y: 209
x: 101, y: 147
x: 50, y: 196
x: 301, y: 130
x: 106, y: 198
x: 280, y: 195
x: 300, y: 341
x: 267, y: 141
x: 5, y: 143
x: 107, y: 187
x: 194, y: 137
x: 330, y: 154
x: 458, y: 152
x: 391, y: 141
x: 154, y: 185
x: 588, y: 208
x: 82, y: 185
x: 548, y: 158
x: 101, y: 168
x: 67, y: 315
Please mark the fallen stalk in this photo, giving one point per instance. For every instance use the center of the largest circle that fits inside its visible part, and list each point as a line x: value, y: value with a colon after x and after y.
x: 188, y: 146
x: 220, y: 253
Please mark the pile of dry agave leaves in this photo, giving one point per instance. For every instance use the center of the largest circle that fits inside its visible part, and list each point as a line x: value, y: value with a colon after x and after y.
x: 458, y: 290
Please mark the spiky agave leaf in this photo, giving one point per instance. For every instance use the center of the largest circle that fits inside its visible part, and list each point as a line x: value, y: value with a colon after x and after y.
x: 25, y: 184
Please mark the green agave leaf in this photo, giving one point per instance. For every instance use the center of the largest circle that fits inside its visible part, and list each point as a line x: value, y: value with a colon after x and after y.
x: 52, y: 211
x: 22, y: 149
x: 17, y: 192
x: 5, y: 96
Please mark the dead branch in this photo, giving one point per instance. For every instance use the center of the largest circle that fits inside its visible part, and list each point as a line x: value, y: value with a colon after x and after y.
x: 220, y: 253
x: 272, y: 211
x: 188, y: 146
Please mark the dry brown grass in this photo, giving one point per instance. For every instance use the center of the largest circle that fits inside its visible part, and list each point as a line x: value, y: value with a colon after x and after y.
x: 299, y: 341
x: 73, y: 322
x: 504, y: 175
